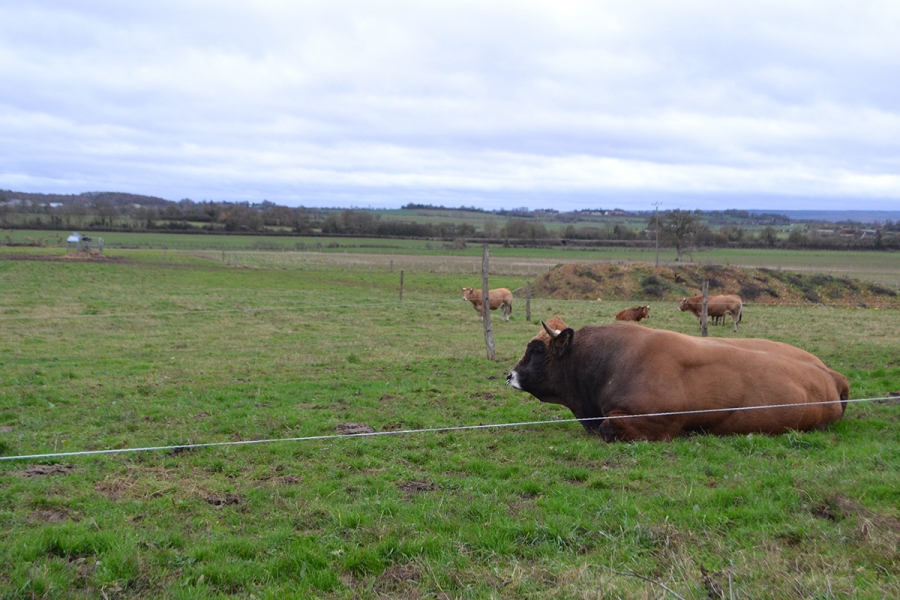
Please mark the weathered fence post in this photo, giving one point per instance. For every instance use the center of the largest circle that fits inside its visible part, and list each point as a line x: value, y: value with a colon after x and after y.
x: 704, y: 312
x: 486, y: 303
x: 401, y: 285
x: 528, y: 302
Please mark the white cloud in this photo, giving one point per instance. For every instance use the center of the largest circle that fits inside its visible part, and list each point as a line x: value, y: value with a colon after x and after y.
x: 506, y: 102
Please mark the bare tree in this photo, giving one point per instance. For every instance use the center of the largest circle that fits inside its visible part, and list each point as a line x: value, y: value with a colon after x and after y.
x: 106, y: 210
x: 278, y: 216
x: 240, y: 217
x: 678, y: 228
x: 5, y: 208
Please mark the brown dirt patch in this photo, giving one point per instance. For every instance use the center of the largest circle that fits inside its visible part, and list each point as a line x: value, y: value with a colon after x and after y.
x: 51, y: 516
x: 416, y: 487
x: 220, y: 500
x: 399, y: 581
x: 354, y: 428
x: 40, y: 470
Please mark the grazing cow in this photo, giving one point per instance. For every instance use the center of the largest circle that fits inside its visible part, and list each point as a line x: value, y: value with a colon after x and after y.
x: 500, y: 298
x: 717, y: 306
x: 633, y: 314
x: 609, y: 375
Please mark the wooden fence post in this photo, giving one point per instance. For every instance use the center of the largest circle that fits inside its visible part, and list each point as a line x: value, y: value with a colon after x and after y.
x: 705, y: 310
x: 528, y: 302
x: 401, y: 285
x: 486, y: 303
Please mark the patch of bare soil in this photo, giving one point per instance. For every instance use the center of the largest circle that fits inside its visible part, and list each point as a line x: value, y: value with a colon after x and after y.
x: 870, y: 527
x: 644, y: 282
x: 399, y: 581
x: 39, y: 470
x: 416, y: 487
x: 354, y: 428
x: 52, y: 515
x: 225, y: 500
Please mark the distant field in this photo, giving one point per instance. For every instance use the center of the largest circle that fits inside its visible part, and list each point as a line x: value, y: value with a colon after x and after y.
x: 478, y: 219
x: 876, y: 267
x: 129, y: 352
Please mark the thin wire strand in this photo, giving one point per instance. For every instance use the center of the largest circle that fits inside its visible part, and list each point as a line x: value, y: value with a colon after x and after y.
x: 181, y: 447
x: 297, y: 307
x: 198, y: 311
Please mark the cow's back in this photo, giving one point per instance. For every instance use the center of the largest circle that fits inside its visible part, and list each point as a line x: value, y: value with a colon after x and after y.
x: 719, y: 306
x: 653, y: 371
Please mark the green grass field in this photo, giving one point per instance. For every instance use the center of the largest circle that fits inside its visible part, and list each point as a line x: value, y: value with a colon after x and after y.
x: 129, y: 353
x: 882, y: 268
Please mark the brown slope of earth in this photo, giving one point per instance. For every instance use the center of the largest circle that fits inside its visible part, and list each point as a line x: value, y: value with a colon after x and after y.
x: 759, y: 286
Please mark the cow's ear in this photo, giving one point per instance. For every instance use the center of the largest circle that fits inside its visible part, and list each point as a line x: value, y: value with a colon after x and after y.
x: 561, y: 344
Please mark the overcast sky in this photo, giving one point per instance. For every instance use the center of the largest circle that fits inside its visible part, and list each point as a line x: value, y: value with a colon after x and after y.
x: 556, y: 104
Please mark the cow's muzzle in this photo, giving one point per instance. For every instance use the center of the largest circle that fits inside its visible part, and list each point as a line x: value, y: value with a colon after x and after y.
x: 512, y: 378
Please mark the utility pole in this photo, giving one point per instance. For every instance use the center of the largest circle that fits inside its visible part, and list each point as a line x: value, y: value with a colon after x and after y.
x: 656, y: 219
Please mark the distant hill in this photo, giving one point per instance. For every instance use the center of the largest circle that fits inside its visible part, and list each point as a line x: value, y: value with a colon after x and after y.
x: 742, y: 217
x: 116, y: 198
x: 835, y: 216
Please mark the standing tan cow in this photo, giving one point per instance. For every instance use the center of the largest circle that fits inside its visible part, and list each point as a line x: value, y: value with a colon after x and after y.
x: 717, y: 306
x: 633, y: 314
x: 500, y: 298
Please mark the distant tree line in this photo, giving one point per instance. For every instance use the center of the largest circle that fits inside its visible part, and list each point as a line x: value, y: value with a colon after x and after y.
x: 678, y: 229
x: 683, y: 229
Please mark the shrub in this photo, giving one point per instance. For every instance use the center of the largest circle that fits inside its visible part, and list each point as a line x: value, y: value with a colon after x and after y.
x: 750, y: 291
x: 654, y: 286
x: 877, y: 289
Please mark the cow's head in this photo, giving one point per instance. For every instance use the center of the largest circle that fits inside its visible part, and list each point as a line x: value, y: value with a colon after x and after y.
x: 684, y: 305
x: 536, y: 370
x: 645, y: 312
x: 467, y: 293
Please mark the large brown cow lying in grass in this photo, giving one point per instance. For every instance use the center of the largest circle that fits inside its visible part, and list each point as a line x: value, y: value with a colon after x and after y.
x: 620, y: 370
x: 500, y: 298
x: 716, y: 306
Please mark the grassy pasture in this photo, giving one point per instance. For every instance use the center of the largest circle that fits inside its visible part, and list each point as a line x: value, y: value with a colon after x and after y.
x: 882, y: 268
x: 130, y: 353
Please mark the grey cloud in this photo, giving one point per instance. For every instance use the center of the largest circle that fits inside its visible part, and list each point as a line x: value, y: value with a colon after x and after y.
x: 495, y: 101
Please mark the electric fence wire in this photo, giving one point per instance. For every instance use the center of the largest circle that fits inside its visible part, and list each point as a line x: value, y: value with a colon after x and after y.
x: 183, y: 447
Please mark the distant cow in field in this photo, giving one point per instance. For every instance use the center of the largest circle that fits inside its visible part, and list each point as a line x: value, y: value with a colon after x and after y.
x: 633, y: 314
x: 627, y: 382
x: 500, y: 298
x: 717, y: 306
